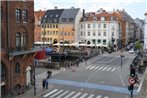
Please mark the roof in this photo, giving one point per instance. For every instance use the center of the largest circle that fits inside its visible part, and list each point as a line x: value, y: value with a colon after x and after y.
x: 69, y: 15
x: 39, y: 14
x: 52, y: 16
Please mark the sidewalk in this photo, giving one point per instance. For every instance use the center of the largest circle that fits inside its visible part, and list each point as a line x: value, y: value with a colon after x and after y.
x: 29, y: 93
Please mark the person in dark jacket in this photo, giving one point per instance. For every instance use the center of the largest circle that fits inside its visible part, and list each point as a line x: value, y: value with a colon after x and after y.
x: 43, y: 83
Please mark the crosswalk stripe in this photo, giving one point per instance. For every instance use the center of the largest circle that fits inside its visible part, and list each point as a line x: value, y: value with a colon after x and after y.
x: 84, y: 95
x: 99, y: 96
x: 91, y: 96
x: 68, y: 96
x: 96, y: 67
x: 50, y: 93
x: 106, y: 97
x: 105, y: 68
x: 109, y: 69
x: 100, y: 68
x: 76, y: 96
x: 60, y: 96
x: 113, y: 69
x: 88, y: 67
x: 53, y: 96
x: 92, y: 67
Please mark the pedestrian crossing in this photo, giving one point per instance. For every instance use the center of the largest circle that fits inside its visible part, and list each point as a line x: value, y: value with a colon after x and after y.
x: 101, y: 68
x: 57, y: 93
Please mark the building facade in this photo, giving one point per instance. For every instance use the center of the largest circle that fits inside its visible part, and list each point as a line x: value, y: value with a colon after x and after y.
x: 105, y: 28
x: 145, y: 31
x: 37, y: 31
x: 17, y: 36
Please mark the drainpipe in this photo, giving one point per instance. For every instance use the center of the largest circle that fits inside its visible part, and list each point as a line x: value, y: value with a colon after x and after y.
x: 8, y: 41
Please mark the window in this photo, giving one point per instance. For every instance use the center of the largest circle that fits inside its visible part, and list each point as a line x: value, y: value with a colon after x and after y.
x: 99, y: 33
x: 81, y: 33
x: 56, y: 26
x: 81, y: 26
x: 63, y: 19
x: 17, y: 68
x: 99, y: 25
x: 65, y: 33
x: 68, y: 33
x: 70, y: 19
x: 50, y: 32
x: 88, y: 25
x: 55, y: 20
x: 102, y: 18
x: 24, y: 15
x: 17, y: 14
x: 99, y: 41
x: 3, y: 72
x: 94, y: 25
x: 50, y: 25
x: 53, y: 25
x: 104, y: 34
x: 24, y: 40
x: 57, y: 15
x: 56, y: 32
x: 104, y: 42
x: 53, y: 32
x: 94, y: 18
x: 72, y: 33
x: 88, y: 33
x: 18, y: 41
x: 104, y: 25
x: 112, y: 33
x: 93, y: 33
x: 1, y: 13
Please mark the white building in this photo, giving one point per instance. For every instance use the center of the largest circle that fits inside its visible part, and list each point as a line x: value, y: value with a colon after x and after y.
x: 145, y: 32
x: 99, y: 28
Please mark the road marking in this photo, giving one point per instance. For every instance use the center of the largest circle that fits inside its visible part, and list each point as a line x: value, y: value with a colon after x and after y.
x: 84, y: 95
x: 91, y: 96
x: 109, y: 69
x: 113, y: 69
x: 99, y: 96
x: 92, y: 67
x: 88, y: 67
x: 62, y: 94
x: 96, y: 67
x: 105, y: 68
x: 50, y: 93
x: 70, y: 94
x: 57, y: 93
x: 100, y: 68
x: 76, y: 96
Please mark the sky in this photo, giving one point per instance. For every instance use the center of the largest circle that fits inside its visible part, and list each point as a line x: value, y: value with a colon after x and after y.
x: 135, y: 8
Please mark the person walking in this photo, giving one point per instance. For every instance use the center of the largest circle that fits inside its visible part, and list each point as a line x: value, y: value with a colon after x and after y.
x: 43, y: 83
x: 46, y: 83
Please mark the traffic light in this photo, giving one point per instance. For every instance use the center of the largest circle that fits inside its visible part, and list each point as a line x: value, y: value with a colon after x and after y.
x: 131, y: 87
x: 132, y: 72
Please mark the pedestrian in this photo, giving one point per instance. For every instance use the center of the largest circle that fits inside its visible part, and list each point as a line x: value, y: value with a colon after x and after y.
x: 77, y: 62
x: 46, y: 83
x: 43, y: 83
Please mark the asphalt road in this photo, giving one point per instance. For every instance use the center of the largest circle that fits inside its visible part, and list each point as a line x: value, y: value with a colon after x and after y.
x: 101, y: 77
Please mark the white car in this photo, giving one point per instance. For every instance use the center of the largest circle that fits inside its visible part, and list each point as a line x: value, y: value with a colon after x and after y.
x: 131, y: 51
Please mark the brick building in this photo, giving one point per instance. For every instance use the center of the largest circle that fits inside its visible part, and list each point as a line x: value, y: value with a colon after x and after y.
x: 17, y: 54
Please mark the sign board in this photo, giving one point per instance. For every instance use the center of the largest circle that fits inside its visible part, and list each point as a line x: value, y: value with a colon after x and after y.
x: 131, y: 80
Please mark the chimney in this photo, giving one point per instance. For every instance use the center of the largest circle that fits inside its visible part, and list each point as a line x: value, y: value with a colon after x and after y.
x: 83, y: 13
x: 55, y: 7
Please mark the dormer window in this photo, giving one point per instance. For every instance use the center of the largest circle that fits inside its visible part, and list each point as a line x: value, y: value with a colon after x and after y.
x: 102, y: 18
x: 94, y: 18
x: 51, y: 15
x: 63, y: 19
x: 57, y: 15
x: 70, y: 19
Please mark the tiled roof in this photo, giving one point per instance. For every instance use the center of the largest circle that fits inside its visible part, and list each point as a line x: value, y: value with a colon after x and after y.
x: 52, y: 16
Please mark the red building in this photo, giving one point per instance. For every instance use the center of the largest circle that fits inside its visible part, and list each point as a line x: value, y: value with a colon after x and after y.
x: 17, y: 38
x: 38, y: 16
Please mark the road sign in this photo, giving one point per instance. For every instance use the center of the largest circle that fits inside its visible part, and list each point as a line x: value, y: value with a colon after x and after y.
x: 131, y: 80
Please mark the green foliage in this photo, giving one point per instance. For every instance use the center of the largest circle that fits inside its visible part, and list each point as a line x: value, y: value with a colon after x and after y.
x: 138, y: 45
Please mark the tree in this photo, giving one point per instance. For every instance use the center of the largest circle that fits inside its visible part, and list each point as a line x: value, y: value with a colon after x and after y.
x: 138, y: 45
